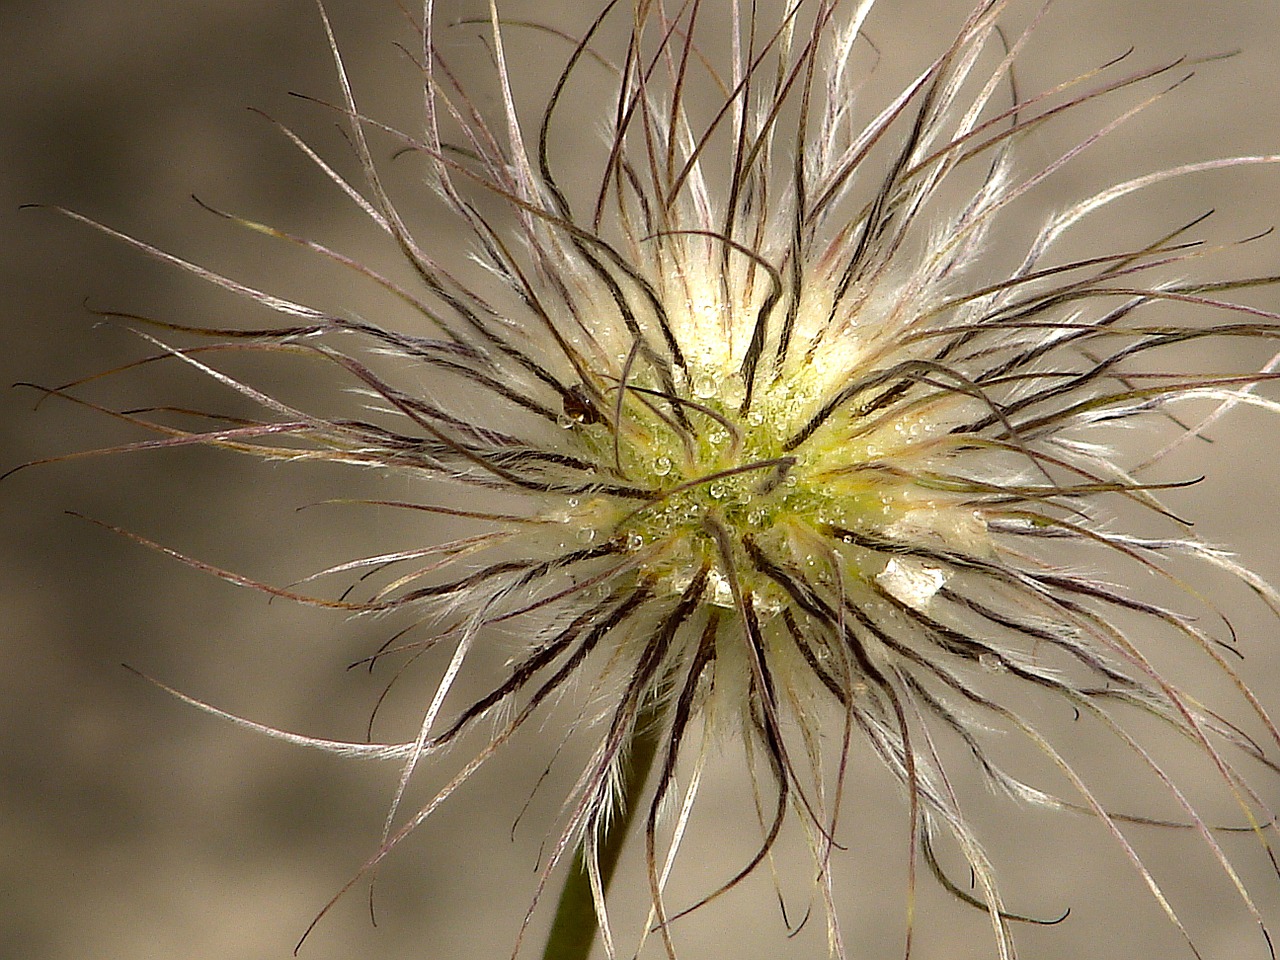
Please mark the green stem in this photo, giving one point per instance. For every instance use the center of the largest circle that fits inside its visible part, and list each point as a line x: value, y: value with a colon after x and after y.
x: 573, y: 932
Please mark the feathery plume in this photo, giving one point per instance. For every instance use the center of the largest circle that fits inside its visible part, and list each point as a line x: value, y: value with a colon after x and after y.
x: 759, y: 441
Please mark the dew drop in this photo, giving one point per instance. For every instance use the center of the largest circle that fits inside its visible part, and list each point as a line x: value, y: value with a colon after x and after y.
x: 767, y: 606
x: 721, y: 592
x: 662, y: 466
x: 704, y: 386
x: 991, y: 663
x: 912, y: 582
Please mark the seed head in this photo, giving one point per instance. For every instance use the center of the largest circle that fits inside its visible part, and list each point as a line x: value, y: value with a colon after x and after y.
x: 761, y: 438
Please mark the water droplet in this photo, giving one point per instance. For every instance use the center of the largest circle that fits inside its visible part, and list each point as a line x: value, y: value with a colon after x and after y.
x: 912, y: 582
x: 721, y: 593
x: 704, y: 386
x: 991, y: 663
x: 767, y: 606
x: 662, y: 466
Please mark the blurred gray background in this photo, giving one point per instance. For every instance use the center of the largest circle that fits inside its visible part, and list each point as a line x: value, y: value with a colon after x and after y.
x: 135, y: 828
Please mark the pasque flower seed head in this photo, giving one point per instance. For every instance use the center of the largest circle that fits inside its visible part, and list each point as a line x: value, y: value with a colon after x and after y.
x: 759, y: 437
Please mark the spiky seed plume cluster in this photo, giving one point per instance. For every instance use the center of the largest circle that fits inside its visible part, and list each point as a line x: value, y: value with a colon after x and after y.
x: 782, y: 451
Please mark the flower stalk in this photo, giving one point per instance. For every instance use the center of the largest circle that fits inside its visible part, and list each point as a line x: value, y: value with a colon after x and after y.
x: 576, y: 922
